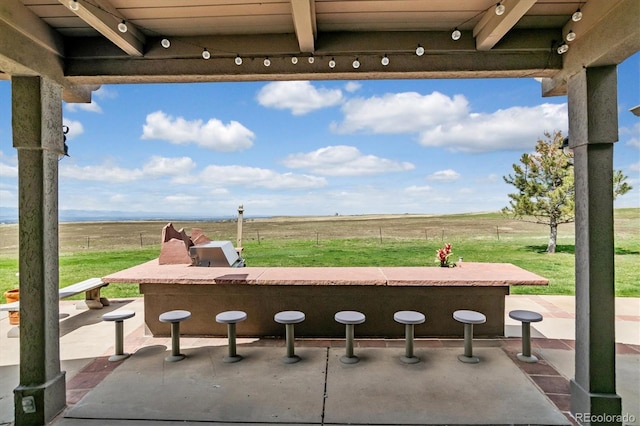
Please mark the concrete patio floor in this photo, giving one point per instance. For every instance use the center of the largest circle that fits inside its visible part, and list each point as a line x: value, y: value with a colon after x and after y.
x: 145, y: 389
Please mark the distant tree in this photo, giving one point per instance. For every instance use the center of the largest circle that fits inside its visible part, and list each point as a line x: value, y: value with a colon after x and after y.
x: 546, y: 193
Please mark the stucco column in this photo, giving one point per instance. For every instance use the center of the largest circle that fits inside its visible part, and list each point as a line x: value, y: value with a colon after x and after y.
x: 593, y: 128
x: 37, y: 135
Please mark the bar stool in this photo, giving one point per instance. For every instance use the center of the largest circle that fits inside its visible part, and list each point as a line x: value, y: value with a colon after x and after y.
x: 289, y: 318
x: 174, y: 317
x: 231, y: 318
x: 118, y: 317
x: 526, y: 317
x: 468, y: 318
x: 409, y: 319
x: 349, y: 318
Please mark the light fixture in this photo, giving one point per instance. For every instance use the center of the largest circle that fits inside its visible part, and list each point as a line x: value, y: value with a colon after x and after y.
x: 500, y: 9
x: 385, y: 60
x: 562, y: 48
x: 65, y: 148
x: 419, y: 50
x: 205, y: 53
x: 356, y: 63
x: 456, y: 34
x: 73, y: 5
x: 332, y: 63
x: 570, y: 36
x: 577, y: 15
x: 238, y: 60
x: 267, y: 62
x: 122, y: 27
x: 165, y: 43
x: 311, y: 59
x: 565, y: 147
x: 294, y: 60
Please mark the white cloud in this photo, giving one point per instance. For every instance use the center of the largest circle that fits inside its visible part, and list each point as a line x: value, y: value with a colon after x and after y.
x: 163, y: 166
x: 447, y: 175
x: 634, y: 140
x: 301, y: 97
x: 415, y: 190
x: 10, y: 167
x: 212, y: 135
x: 407, y: 112
x: 258, y: 177
x: 352, y: 86
x: 101, y: 173
x: 635, y: 167
x: 105, y: 93
x: 88, y: 107
x: 75, y: 128
x: 442, y: 121
x: 344, y: 160
x: 514, y: 128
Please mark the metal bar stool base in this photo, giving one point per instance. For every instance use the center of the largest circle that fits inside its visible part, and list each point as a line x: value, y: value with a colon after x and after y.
x: 119, y: 357
x: 524, y: 358
x: 290, y: 359
x: 349, y: 359
x: 469, y: 359
x: 410, y: 359
x: 230, y: 359
x: 174, y: 358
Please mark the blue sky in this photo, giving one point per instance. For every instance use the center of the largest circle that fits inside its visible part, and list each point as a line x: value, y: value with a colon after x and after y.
x: 309, y: 148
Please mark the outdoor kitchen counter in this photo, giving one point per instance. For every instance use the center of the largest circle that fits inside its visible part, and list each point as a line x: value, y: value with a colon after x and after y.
x: 320, y: 292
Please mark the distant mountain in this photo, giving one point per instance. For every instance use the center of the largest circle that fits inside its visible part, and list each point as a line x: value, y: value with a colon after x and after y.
x: 10, y: 215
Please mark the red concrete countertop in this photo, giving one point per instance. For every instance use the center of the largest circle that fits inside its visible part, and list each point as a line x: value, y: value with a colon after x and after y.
x: 467, y: 274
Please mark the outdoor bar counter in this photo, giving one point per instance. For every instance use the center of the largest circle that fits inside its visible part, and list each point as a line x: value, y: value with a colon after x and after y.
x: 320, y: 292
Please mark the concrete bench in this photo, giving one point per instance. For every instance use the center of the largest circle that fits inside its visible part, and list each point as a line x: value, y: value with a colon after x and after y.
x: 90, y: 287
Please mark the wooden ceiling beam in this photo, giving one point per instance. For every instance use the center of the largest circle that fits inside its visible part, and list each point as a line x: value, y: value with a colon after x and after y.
x: 304, y: 22
x: 492, y: 28
x: 105, y: 19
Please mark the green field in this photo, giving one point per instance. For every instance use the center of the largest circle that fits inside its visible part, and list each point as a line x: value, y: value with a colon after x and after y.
x: 99, y: 248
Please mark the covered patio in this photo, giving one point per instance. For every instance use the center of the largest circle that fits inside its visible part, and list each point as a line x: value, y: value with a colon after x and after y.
x: 62, y: 50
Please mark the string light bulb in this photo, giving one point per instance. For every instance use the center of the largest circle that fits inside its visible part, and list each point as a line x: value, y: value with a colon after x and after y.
x: 238, y: 60
x: 165, y: 43
x: 577, y: 15
x: 570, y: 36
x: 205, y: 53
x: 500, y: 9
x: 294, y: 60
x: 122, y: 27
x: 563, y: 48
x: 332, y: 63
x: 385, y: 60
x: 73, y: 5
x: 456, y: 34
x: 356, y: 63
x: 419, y: 50
x: 311, y: 59
x: 267, y: 62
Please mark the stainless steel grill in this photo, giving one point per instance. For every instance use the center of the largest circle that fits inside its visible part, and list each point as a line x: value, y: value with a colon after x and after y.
x: 216, y: 254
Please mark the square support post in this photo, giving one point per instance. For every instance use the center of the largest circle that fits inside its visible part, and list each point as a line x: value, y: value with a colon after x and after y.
x: 37, y: 136
x: 593, y: 129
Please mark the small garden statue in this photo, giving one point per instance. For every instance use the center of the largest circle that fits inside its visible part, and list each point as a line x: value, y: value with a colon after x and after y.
x: 442, y: 256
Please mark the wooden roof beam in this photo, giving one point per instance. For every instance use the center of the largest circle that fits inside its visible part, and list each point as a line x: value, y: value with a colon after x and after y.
x: 304, y: 21
x: 105, y: 19
x: 492, y: 28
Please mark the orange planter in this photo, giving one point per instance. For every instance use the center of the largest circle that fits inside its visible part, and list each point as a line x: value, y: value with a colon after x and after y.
x: 13, y: 296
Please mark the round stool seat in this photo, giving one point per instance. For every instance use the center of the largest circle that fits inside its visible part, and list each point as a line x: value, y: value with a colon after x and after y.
x: 469, y: 317
x: 409, y: 317
x: 289, y: 317
x: 349, y: 317
x: 174, y: 316
x: 525, y: 316
x: 231, y: 317
x: 118, y: 315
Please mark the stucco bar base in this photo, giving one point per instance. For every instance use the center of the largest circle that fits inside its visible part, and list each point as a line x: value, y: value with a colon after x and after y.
x: 320, y: 292
x: 320, y: 303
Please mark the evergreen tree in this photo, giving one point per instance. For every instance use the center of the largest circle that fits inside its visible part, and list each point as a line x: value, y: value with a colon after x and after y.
x: 545, y: 184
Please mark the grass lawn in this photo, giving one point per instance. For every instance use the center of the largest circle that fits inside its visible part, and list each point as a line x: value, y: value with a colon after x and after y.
x: 98, y: 249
